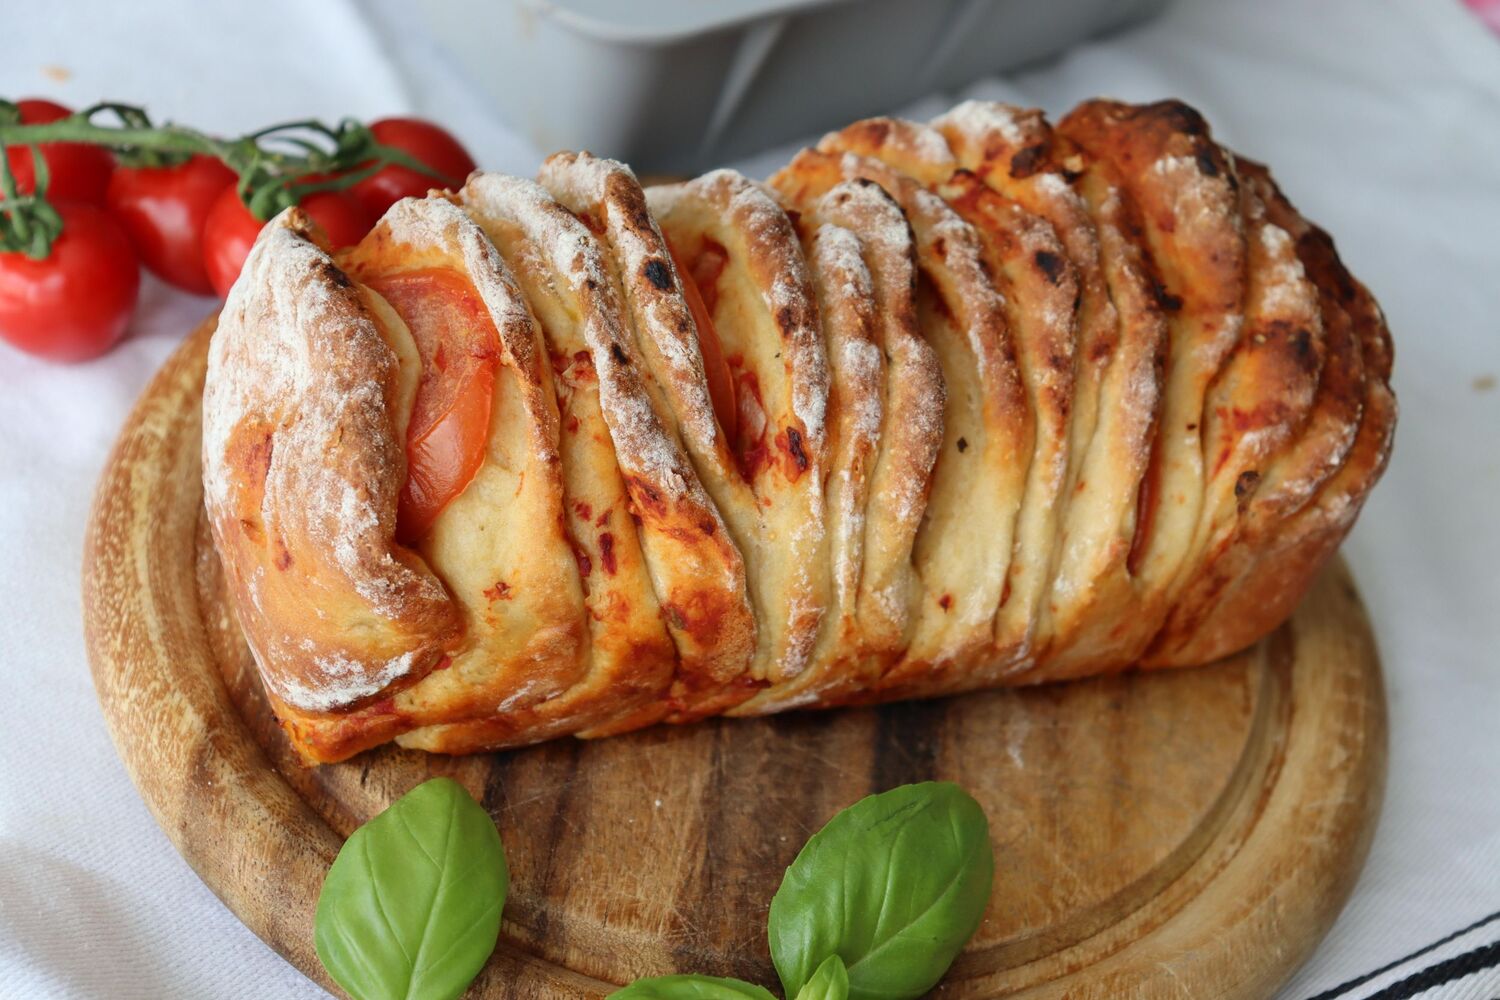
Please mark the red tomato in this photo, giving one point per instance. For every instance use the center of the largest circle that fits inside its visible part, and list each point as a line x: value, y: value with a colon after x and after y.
x: 426, y: 143
x: 163, y: 210
x: 715, y: 367
x: 230, y: 230
x: 77, y: 302
x: 78, y: 172
x: 450, y: 418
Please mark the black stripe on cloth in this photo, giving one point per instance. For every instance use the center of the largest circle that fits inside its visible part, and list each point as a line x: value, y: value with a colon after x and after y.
x: 1355, y: 983
x: 1444, y: 972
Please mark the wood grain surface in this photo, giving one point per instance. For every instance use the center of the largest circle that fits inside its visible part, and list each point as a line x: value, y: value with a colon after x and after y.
x: 1186, y: 833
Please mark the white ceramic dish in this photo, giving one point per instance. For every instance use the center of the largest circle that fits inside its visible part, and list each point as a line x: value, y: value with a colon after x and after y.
x: 679, y: 85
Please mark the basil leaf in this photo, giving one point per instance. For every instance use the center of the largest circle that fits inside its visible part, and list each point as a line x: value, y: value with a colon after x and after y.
x: 690, y: 988
x: 410, y: 909
x: 894, y: 885
x: 830, y: 982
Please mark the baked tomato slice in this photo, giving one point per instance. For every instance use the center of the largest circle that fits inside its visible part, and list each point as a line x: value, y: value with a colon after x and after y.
x: 450, y: 417
x: 715, y: 365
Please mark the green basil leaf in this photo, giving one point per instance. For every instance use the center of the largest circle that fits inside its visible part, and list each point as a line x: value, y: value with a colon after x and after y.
x: 690, y: 988
x: 410, y: 909
x: 830, y: 982
x: 894, y: 885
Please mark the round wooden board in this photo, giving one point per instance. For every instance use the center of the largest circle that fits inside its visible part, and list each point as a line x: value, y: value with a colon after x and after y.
x: 1183, y: 833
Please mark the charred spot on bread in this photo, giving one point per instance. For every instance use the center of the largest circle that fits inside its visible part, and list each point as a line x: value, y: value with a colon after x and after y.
x: 1051, y: 264
x: 1027, y: 161
x: 1165, y: 299
x: 657, y: 273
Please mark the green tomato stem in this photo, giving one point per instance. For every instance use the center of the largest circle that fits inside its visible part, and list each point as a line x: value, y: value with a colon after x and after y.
x: 236, y: 154
x: 269, y: 180
x: 16, y: 209
x: 77, y: 128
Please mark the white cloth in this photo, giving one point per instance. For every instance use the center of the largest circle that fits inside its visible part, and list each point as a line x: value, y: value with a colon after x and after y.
x: 1382, y: 121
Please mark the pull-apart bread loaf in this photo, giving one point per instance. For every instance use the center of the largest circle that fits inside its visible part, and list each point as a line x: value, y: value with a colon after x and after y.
x: 937, y: 407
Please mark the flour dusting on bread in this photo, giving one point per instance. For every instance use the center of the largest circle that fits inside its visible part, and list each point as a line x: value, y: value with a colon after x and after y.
x: 1012, y: 402
x: 301, y: 473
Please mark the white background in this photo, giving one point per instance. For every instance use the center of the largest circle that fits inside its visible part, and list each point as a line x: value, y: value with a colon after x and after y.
x: 1382, y: 121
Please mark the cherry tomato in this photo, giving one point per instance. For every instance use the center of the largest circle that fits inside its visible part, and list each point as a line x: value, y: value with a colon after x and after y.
x: 715, y: 366
x: 230, y: 230
x: 78, y: 172
x: 163, y: 210
x: 427, y: 143
x: 76, y: 303
x: 450, y: 418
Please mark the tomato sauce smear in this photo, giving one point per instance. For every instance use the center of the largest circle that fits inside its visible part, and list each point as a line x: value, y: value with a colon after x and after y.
x: 450, y: 418
x: 733, y: 386
x: 1147, y: 504
x: 701, y: 289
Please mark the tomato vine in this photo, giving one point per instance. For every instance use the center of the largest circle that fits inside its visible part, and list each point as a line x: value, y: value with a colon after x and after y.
x: 276, y: 167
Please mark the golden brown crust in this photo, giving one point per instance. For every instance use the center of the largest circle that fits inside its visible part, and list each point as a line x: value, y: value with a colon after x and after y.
x: 1023, y: 404
x: 1038, y: 290
x: 520, y: 596
x: 1311, y: 496
x: 303, y: 463
x: 1323, y: 443
x: 698, y: 569
x: 560, y: 270
x: 1184, y: 208
x: 963, y: 549
x: 846, y: 303
x: 1041, y: 289
x: 1116, y: 610
x: 1258, y: 402
x: 911, y: 430
x: 1119, y: 338
x: 767, y: 320
x: 890, y: 420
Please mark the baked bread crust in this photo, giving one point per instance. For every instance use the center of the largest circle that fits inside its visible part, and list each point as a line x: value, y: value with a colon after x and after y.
x: 1012, y: 403
x: 559, y: 269
x: 303, y: 463
x: 910, y: 432
x: 1120, y: 335
x: 885, y: 396
x: 963, y: 549
x: 768, y: 486
x: 1305, y: 505
x: 707, y: 602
